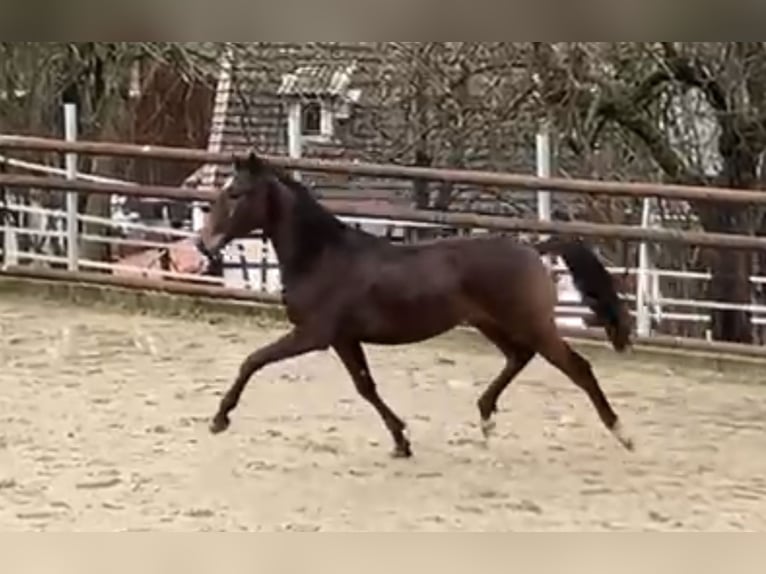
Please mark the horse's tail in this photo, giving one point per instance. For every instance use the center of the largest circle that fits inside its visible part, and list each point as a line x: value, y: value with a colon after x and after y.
x: 596, y: 286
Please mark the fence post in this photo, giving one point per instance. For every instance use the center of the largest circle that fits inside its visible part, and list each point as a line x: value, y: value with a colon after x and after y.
x: 6, y: 218
x: 197, y: 216
x: 643, y: 317
x: 655, y: 294
x: 10, y: 244
x: 544, y: 161
x: 294, y: 133
x: 72, y: 244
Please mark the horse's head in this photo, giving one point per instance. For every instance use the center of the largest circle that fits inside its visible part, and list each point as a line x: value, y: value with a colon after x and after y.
x: 242, y: 206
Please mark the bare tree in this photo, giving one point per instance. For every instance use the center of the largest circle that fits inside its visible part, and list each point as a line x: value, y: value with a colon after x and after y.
x: 697, y: 110
x: 451, y: 104
x: 102, y: 78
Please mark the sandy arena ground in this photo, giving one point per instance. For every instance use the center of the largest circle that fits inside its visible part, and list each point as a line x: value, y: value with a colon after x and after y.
x: 104, y: 419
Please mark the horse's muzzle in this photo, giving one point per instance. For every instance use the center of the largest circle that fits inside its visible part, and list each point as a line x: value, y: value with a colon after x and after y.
x: 214, y: 258
x: 202, y: 248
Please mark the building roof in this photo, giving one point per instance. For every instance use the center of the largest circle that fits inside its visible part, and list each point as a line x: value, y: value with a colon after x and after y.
x: 318, y: 80
x: 260, y: 77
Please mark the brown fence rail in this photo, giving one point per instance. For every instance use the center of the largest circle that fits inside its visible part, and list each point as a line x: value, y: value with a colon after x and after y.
x: 363, y: 169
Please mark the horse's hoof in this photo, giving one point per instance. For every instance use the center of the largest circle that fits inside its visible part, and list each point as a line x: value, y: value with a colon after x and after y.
x: 400, y: 454
x: 402, y: 451
x: 219, y: 424
x: 628, y: 444
x: 624, y: 439
x: 487, y: 427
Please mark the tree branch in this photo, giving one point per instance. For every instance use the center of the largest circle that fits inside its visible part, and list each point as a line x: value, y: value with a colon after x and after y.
x: 616, y: 103
x: 753, y: 61
x: 694, y: 74
x: 622, y: 111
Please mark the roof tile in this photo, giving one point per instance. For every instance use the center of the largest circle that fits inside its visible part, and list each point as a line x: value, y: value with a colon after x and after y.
x: 317, y: 80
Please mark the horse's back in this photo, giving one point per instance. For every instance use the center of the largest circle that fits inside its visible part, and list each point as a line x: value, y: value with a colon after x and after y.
x: 453, y: 267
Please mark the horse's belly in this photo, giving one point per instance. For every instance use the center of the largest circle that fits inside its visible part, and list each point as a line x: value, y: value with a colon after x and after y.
x: 398, y: 321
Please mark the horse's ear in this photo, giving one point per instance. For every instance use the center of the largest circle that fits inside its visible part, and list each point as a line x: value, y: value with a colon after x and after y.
x: 252, y: 163
x: 255, y: 164
x: 238, y: 162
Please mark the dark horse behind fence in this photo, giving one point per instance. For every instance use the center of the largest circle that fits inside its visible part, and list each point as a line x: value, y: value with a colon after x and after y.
x: 344, y: 287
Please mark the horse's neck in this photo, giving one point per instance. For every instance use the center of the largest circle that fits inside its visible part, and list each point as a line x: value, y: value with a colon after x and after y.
x: 300, y: 241
x: 282, y: 240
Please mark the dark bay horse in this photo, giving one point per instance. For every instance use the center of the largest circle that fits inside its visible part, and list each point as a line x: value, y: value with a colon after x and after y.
x: 344, y: 287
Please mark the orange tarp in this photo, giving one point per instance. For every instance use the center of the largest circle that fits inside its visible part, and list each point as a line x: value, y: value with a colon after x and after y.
x: 184, y: 258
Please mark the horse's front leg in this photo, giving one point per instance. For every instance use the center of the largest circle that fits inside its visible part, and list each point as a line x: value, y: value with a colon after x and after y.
x: 296, y: 342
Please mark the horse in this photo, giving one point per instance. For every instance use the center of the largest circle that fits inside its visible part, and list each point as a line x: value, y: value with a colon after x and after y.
x: 343, y: 287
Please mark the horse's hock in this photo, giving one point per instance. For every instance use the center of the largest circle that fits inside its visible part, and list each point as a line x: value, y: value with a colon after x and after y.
x: 104, y: 427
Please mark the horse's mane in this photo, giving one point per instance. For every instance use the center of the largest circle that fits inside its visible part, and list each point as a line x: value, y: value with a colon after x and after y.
x: 308, y: 210
x: 314, y: 227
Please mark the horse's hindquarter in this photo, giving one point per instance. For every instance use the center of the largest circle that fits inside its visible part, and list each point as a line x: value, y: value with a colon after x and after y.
x: 501, y: 274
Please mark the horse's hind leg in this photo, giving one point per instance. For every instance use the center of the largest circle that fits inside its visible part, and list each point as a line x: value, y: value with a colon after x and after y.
x: 352, y: 356
x: 579, y: 370
x: 517, y: 357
